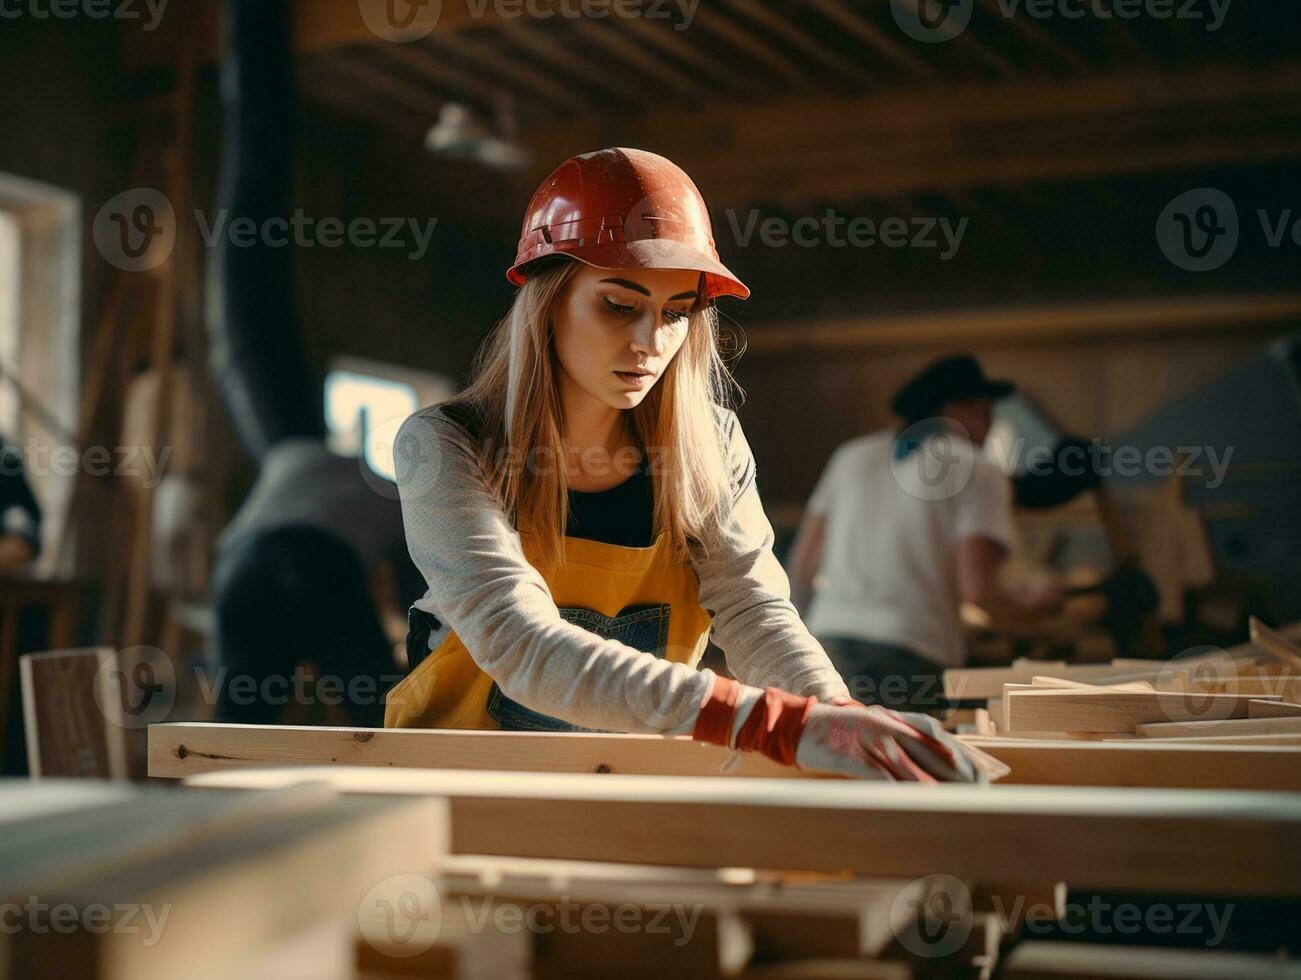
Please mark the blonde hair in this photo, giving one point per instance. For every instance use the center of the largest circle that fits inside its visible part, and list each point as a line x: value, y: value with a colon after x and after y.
x: 515, y: 396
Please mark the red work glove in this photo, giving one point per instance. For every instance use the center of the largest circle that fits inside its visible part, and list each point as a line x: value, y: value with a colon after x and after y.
x: 843, y: 738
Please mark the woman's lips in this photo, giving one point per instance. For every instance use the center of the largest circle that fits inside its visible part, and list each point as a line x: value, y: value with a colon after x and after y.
x: 634, y: 379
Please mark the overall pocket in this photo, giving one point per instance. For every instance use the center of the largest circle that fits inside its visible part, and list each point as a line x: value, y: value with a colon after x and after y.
x: 644, y: 628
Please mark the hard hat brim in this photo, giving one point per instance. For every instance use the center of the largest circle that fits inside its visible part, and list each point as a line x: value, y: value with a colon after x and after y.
x: 656, y: 253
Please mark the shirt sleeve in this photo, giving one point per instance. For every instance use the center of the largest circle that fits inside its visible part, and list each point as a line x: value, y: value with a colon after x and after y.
x: 820, y: 500
x: 745, y: 589
x: 984, y: 505
x: 502, y: 609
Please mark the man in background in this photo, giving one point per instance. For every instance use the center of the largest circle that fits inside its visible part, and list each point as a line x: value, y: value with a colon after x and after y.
x: 313, y: 567
x: 903, y: 527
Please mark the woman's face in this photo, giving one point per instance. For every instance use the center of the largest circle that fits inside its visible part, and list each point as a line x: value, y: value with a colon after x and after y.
x: 617, y: 330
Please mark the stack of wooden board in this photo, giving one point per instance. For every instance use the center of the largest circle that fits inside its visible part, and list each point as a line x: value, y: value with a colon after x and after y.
x: 1219, y: 719
x: 109, y: 882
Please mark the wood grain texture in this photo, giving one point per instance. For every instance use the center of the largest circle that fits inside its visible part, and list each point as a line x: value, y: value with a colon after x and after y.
x: 1244, y: 842
x: 183, y: 749
x: 1141, y: 762
x: 72, y: 714
x: 1048, y: 709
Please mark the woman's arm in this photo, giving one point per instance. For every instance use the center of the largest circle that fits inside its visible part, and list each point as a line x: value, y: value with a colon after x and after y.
x: 501, y: 608
x: 745, y: 589
x: 806, y: 558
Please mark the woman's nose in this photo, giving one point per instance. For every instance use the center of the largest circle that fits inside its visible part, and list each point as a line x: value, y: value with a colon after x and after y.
x: 648, y: 338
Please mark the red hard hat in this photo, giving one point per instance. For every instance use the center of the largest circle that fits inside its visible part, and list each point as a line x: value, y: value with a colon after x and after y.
x: 623, y: 209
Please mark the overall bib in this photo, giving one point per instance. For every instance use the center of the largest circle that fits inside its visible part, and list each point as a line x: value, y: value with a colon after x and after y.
x: 638, y: 596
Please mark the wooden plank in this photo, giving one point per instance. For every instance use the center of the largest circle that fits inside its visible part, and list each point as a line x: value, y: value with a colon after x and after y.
x: 786, y: 919
x: 1244, y: 842
x: 1043, y: 960
x: 226, y: 900
x: 182, y: 749
x: 1273, y: 709
x: 1274, y: 643
x: 1104, y: 711
x: 45, y: 850
x: 1140, y: 762
x: 72, y: 714
x: 1236, y: 726
x: 987, y: 682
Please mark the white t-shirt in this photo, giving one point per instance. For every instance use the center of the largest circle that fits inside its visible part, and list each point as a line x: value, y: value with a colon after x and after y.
x: 889, y: 561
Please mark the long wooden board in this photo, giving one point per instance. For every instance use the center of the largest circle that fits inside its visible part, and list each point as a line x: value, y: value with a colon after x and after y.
x: 184, y: 748
x: 1141, y: 762
x: 1236, y: 726
x: 1051, y: 709
x: 1147, y: 840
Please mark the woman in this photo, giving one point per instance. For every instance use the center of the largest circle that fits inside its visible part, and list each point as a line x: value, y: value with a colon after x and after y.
x: 585, y: 513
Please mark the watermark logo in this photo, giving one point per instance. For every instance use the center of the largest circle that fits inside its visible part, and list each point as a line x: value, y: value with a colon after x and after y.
x: 935, y: 21
x: 933, y: 459
x: 94, y: 918
x: 932, y: 21
x: 402, y: 915
x: 932, y: 916
x: 401, y: 21
x: 1199, y: 230
x: 149, y: 12
x: 136, y: 230
x: 1099, y: 917
x: 136, y: 687
x: 833, y: 230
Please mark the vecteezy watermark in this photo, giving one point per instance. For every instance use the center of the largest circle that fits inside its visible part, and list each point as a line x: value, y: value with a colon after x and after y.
x: 143, y: 463
x: 931, y: 916
x: 1200, y: 230
x: 838, y: 231
x: 96, y: 918
x: 404, y: 21
x: 150, y: 11
x: 1104, y: 461
x: 935, y: 21
x: 301, y: 687
x: 136, y: 231
x: 401, y: 21
x: 934, y: 459
x: 405, y: 914
x: 136, y: 687
x: 1101, y: 917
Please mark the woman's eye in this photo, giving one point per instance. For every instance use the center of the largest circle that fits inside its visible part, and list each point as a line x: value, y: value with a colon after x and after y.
x: 676, y: 316
x: 616, y: 308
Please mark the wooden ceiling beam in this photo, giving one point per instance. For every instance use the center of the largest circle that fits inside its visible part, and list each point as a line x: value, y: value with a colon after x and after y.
x: 876, y: 39
x: 972, y: 135
x: 1048, y: 323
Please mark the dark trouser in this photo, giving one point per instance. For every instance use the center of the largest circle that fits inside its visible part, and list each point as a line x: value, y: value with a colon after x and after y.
x: 288, y: 595
x: 891, y: 676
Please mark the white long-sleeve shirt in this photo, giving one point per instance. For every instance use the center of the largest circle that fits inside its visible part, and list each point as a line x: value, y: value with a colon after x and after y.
x: 483, y: 588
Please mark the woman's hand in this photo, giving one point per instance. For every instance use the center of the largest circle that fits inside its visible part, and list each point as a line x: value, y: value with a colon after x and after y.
x: 843, y: 738
x: 848, y: 739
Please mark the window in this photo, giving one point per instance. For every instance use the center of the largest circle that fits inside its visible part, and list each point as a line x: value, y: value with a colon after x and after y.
x: 10, y: 297
x: 366, y: 402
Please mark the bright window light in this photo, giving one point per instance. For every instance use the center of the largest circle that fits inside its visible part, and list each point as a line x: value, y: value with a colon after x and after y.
x: 360, y: 406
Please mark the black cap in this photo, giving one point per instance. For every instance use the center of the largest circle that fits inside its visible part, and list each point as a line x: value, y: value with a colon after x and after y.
x: 947, y: 380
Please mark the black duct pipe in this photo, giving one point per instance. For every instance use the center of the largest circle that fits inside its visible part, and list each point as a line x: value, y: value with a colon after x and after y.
x: 256, y: 353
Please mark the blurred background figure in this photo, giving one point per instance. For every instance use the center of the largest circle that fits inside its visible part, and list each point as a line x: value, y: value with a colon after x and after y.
x: 903, y: 526
x: 309, y: 570
x: 20, y: 514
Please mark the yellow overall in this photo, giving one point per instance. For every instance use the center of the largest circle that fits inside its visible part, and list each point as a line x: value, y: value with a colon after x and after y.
x: 639, y: 596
